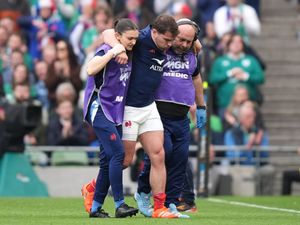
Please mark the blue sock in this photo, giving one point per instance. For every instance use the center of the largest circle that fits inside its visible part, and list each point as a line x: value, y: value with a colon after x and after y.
x: 95, y: 206
x: 118, y: 203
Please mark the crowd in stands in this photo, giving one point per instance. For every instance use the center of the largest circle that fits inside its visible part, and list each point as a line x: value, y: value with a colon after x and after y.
x: 45, y: 45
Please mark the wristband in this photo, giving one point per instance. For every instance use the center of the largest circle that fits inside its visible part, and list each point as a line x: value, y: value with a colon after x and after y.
x: 201, y: 107
x: 113, y: 54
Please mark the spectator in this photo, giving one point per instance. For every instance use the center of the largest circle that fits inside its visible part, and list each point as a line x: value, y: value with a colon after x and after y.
x: 237, y: 17
x: 49, y: 54
x: 66, y: 68
x: 222, y: 49
x: 9, y: 24
x: 208, y: 9
x: 20, y: 75
x: 209, y: 49
x: 240, y: 95
x: 85, y: 21
x: 41, y: 73
x: 19, y: 122
x: 245, y: 134
x: 102, y: 20
x: 65, y: 91
x: 42, y: 29
x: 137, y: 12
x: 232, y: 69
x: 16, y: 42
x: 181, y: 10
x: 222, y: 46
x: 259, y: 122
x: 91, y: 41
x: 65, y: 127
x: 15, y: 58
x: 67, y: 12
x: 3, y: 42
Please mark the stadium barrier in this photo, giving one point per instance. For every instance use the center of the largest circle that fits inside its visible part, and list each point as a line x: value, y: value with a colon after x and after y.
x: 282, y: 157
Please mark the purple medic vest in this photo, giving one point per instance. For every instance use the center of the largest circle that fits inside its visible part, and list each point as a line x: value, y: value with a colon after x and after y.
x: 176, y: 84
x: 113, y: 90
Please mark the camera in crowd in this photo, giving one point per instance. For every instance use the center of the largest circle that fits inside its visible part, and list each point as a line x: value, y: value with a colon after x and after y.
x: 27, y: 114
x: 19, y: 119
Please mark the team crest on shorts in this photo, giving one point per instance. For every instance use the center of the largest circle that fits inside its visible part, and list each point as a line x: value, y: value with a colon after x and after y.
x: 128, y: 123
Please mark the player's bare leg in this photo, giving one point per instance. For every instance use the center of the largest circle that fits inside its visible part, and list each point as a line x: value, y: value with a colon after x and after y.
x: 152, y: 141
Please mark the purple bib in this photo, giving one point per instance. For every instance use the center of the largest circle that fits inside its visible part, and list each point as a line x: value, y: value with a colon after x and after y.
x: 112, y: 92
x: 176, y: 84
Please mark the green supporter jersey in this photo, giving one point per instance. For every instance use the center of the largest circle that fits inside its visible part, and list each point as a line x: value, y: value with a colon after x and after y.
x: 88, y: 37
x: 225, y: 85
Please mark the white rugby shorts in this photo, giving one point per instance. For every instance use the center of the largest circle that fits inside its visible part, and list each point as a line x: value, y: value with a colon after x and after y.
x: 140, y: 120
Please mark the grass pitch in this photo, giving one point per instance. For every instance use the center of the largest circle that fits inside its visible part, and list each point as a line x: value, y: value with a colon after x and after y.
x: 212, y: 211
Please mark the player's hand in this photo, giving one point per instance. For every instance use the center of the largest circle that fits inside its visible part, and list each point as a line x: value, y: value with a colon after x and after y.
x: 117, y: 49
x: 201, y: 117
x: 122, y: 58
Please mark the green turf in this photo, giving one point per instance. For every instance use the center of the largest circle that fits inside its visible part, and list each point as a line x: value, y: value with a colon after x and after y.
x: 61, y: 211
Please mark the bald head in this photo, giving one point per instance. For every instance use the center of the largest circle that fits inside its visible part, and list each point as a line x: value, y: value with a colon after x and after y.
x: 185, y: 38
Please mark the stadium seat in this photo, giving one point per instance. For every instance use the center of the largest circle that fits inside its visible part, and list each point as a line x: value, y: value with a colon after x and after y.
x: 62, y: 158
x: 37, y: 158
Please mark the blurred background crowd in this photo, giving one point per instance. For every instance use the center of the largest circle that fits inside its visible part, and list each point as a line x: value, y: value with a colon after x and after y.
x: 45, y: 44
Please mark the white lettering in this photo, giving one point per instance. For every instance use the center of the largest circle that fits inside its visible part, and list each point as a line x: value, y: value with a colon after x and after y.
x: 177, y: 65
x: 119, y: 99
x: 125, y: 74
x: 156, y: 68
x: 176, y: 74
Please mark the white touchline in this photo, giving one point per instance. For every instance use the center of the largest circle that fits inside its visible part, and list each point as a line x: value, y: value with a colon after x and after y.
x: 252, y: 205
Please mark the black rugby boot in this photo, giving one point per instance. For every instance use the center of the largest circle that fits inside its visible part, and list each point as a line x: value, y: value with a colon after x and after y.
x: 124, y: 211
x: 100, y: 213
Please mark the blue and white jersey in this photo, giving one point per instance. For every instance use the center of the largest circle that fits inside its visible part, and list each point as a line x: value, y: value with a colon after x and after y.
x: 147, y: 70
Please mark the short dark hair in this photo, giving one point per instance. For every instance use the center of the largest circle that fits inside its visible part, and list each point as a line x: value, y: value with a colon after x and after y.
x: 124, y: 24
x: 233, y: 35
x: 165, y: 23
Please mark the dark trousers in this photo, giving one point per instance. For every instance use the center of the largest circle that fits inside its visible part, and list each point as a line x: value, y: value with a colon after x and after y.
x: 187, y: 193
x: 111, y: 158
x: 176, y: 145
x: 287, y: 179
